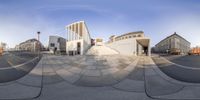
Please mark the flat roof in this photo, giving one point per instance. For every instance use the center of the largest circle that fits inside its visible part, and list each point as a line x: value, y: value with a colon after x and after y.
x: 129, y: 33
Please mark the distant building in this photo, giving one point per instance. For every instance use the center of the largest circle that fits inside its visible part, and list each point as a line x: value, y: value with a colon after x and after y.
x: 3, y: 45
x: 174, y: 44
x: 78, y: 38
x: 132, y: 43
x: 99, y: 42
x: 57, y: 44
x: 30, y: 45
x: 17, y: 47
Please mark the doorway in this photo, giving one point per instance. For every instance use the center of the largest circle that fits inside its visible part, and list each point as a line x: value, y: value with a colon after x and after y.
x: 78, y: 48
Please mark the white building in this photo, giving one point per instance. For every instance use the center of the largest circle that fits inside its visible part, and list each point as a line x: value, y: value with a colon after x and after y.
x: 133, y: 43
x: 57, y: 44
x: 78, y: 38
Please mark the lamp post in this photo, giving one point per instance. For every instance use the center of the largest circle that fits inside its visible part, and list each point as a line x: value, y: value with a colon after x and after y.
x: 38, y: 33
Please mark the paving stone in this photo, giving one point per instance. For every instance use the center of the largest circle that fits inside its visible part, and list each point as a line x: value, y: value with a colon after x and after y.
x: 31, y: 80
x: 157, y: 86
x: 120, y: 75
x: 131, y: 66
x: 18, y: 91
x: 137, y: 74
x: 109, y: 71
x: 66, y: 66
x: 102, y: 67
x: 47, y: 69
x: 91, y: 67
x: 68, y: 76
x: 75, y: 70
x: 51, y: 78
x: 55, y: 68
x: 96, y: 81
x: 130, y: 85
x: 88, y: 72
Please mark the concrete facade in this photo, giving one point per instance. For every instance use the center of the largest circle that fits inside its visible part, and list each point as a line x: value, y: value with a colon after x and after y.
x: 173, y: 44
x: 78, y: 38
x: 56, y: 42
x: 133, y: 43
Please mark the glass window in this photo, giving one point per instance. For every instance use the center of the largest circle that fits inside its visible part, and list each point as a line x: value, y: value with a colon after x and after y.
x: 52, y: 45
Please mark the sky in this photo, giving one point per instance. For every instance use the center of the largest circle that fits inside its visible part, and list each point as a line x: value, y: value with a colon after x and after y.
x: 20, y: 20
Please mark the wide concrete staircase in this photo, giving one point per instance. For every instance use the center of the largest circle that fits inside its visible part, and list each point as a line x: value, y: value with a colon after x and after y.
x: 101, y: 50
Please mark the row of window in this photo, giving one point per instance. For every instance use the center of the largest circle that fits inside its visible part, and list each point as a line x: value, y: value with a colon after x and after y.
x: 126, y: 37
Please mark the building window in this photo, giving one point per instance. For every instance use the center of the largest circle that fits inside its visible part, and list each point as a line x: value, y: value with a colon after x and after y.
x: 134, y: 36
x: 52, y: 45
x: 129, y: 36
x: 139, y: 35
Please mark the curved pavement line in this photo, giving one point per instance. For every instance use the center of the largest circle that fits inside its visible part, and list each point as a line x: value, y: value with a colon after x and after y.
x: 186, y: 67
x: 15, y: 82
x: 16, y: 66
x: 168, y: 78
x: 129, y: 68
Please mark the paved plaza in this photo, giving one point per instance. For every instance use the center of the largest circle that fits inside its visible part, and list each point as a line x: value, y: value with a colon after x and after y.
x: 97, y: 78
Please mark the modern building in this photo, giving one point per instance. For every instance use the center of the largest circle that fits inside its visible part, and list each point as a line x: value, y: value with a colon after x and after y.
x: 78, y: 38
x: 57, y: 44
x: 132, y: 43
x: 30, y: 45
x: 174, y: 44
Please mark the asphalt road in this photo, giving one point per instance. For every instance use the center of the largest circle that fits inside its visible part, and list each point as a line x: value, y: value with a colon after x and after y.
x: 8, y: 71
x: 180, y: 73
x: 15, y: 58
x: 188, y: 60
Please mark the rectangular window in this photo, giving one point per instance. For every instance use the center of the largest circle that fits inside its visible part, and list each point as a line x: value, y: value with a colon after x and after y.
x: 52, y: 45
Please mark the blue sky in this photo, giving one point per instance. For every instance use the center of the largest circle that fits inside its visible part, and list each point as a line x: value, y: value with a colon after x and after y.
x: 21, y: 19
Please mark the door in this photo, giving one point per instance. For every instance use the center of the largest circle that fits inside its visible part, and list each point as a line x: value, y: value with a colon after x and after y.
x: 78, y: 48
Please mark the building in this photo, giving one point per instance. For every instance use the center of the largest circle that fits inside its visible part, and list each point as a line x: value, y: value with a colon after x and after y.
x: 78, y: 38
x: 98, y: 41
x: 173, y: 44
x: 132, y: 43
x: 30, y: 45
x: 57, y: 44
x: 3, y: 46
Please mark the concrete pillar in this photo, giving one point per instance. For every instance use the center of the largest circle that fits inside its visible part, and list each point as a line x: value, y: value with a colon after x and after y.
x: 68, y: 33
x: 149, y: 49
x: 78, y: 30
x: 135, y: 47
x: 74, y: 31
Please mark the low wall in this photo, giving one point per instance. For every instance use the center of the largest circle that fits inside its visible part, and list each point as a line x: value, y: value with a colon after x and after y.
x: 124, y: 47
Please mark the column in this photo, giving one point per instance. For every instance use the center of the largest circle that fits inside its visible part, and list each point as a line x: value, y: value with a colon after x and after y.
x: 71, y: 32
x: 149, y: 49
x: 67, y: 33
x: 75, y: 34
x: 78, y: 30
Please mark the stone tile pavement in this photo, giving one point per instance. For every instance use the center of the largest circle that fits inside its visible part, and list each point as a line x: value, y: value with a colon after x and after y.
x: 96, y: 78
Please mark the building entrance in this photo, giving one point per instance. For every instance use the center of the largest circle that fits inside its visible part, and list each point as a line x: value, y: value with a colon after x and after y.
x: 78, y: 48
x: 143, y: 47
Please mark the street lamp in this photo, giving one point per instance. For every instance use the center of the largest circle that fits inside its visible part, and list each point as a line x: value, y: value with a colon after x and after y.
x: 38, y: 41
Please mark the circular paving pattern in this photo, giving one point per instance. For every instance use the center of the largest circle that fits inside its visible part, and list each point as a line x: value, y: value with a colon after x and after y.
x: 91, y: 70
